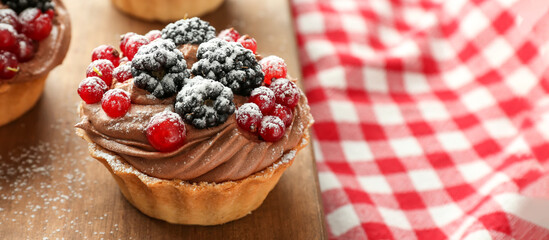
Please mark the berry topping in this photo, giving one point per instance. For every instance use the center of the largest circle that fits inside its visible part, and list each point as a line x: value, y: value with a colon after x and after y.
x: 271, y: 128
x: 153, y: 35
x: 9, y: 66
x: 193, y: 31
x: 204, y: 102
x: 264, y: 98
x: 20, y: 5
x: 124, y: 39
x: 248, y: 117
x: 24, y: 48
x: 230, y: 64
x: 133, y: 44
x: 123, y: 60
x: 229, y: 35
x: 106, y: 52
x: 91, y: 90
x: 286, y: 92
x: 248, y: 42
x: 160, y: 68
x: 166, y: 131
x: 8, y: 16
x: 116, y: 103
x: 273, y: 67
x: 123, y: 72
x: 7, y: 36
x: 50, y: 13
x: 284, y: 113
x: 101, y: 68
x: 36, y: 25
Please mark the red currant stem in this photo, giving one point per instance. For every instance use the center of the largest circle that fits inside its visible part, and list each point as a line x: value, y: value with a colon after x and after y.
x: 97, y: 71
x: 13, y: 69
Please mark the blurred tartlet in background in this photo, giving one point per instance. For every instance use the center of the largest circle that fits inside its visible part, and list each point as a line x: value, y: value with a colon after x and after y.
x: 34, y: 39
x: 166, y: 10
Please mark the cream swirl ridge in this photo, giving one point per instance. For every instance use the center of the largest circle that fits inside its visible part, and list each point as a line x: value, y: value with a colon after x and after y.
x: 215, y: 154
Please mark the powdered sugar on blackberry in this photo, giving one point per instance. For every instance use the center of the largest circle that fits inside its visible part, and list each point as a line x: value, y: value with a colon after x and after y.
x: 204, y: 102
x: 193, y: 31
x: 159, y: 68
x: 229, y: 63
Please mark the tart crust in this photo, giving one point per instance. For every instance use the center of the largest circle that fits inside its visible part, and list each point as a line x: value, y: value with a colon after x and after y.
x: 166, y: 10
x: 181, y: 202
x: 18, y: 97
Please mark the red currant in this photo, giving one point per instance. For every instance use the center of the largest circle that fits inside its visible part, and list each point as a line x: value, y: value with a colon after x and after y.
x: 24, y: 48
x: 91, y: 90
x: 124, y: 39
x: 9, y: 66
x: 101, y: 68
x: 153, y: 35
x: 248, y: 117
x: 248, y: 42
x: 286, y: 92
x: 123, y: 60
x: 8, y: 16
x: 273, y: 67
x: 133, y: 45
x: 284, y: 113
x: 166, y: 131
x: 123, y: 72
x: 36, y: 25
x: 106, y: 52
x: 229, y: 35
x: 271, y: 128
x: 116, y: 103
x: 264, y: 98
x: 50, y: 13
x: 7, y: 36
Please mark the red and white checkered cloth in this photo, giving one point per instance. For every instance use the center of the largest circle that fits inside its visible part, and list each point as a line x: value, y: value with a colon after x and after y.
x: 432, y: 116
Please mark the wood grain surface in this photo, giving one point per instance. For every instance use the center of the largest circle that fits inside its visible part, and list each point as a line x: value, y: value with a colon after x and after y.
x: 51, y: 188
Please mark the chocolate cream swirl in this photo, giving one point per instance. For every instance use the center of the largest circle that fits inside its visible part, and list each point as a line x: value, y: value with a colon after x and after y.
x: 217, y: 154
x: 51, y: 50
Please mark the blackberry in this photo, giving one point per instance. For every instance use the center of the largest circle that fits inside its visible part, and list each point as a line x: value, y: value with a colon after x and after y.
x: 229, y: 63
x: 204, y: 102
x: 159, y: 68
x: 20, y: 5
x: 193, y: 31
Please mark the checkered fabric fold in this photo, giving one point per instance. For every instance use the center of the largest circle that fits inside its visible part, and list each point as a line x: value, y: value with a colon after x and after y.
x: 432, y: 117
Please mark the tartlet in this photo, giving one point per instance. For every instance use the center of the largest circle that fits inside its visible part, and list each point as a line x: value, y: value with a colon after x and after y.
x: 194, y: 128
x: 166, y: 10
x: 20, y: 92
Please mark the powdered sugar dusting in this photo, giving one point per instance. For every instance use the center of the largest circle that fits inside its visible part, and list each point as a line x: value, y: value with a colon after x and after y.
x: 45, y: 186
x: 286, y: 158
x: 119, y: 166
x: 251, y: 110
x: 9, y: 28
x: 272, y: 123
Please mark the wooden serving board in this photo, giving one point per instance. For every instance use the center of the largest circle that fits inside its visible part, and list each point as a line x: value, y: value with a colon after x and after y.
x: 50, y: 187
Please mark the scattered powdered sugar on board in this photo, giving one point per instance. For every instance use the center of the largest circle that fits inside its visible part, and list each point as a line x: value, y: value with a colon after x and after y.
x: 48, y: 189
